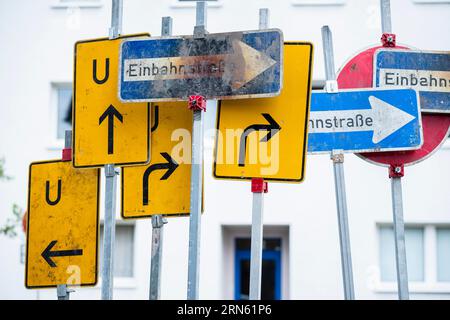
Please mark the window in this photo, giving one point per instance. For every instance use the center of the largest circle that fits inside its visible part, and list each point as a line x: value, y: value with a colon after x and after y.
x: 427, y: 254
x: 123, y: 250
x: 63, y: 109
x: 414, y: 254
x: 318, y: 2
x: 77, y: 3
x: 271, y: 269
x: 443, y: 254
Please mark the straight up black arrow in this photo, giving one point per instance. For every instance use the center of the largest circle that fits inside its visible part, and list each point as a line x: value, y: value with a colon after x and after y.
x: 170, y: 165
x: 111, y: 112
x: 47, y: 254
x: 272, y: 127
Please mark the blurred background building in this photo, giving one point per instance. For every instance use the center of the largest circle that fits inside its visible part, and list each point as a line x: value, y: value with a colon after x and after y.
x: 301, y: 247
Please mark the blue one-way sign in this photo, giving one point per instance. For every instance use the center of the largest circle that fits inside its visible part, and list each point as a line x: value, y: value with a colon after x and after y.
x: 365, y: 120
x: 426, y: 71
x: 219, y: 66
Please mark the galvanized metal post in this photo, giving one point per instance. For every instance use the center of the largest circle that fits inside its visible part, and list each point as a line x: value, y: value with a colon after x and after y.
x: 196, y: 178
x: 337, y: 156
x: 257, y: 213
x: 158, y: 221
x: 109, y: 232
x: 155, y: 270
x: 385, y: 6
x: 63, y: 293
x: 116, y: 19
x: 109, y: 226
x: 399, y: 235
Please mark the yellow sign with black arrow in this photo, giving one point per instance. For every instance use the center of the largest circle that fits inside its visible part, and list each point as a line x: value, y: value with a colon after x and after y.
x: 162, y: 186
x: 267, y: 138
x: 105, y: 131
x: 63, y: 224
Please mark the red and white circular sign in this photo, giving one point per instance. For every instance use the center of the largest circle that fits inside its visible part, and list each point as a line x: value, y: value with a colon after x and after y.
x: 358, y: 73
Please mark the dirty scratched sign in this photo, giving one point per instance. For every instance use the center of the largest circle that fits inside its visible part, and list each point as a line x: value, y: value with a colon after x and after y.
x: 222, y: 65
x: 62, y: 232
x: 426, y: 71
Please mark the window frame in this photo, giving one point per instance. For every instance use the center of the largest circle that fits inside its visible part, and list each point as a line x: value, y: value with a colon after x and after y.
x: 430, y: 283
x: 54, y: 143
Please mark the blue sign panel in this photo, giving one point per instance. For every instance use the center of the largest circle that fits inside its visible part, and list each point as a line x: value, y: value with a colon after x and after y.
x: 364, y: 120
x: 426, y: 71
x: 218, y: 66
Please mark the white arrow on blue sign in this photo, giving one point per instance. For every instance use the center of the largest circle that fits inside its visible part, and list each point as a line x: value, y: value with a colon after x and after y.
x: 245, y: 64
x: 365, y: 120
x: 426, y: 71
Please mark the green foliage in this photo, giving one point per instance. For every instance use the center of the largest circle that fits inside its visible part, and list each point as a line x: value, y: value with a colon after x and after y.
x: 10, y: 228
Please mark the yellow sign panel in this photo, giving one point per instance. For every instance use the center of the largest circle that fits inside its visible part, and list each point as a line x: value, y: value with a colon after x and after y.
x: 163, y: 186
x: 62, y: 232
x: 105, y: 130
x: 267, y: 138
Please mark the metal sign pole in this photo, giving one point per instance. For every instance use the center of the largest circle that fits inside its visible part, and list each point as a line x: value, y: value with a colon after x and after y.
x: 62, y: 291
x: 337, y: 156
x: 396, y: 173
x: 109, y: 229
x: 259, y: 187
x: 158, y: 221
x: 196, y: 177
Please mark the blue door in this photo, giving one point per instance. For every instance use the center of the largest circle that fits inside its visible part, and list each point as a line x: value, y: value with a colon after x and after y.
x: 271, y: 269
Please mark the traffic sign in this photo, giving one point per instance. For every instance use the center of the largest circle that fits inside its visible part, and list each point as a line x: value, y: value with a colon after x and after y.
x: 266, y: 138
x: 426, y: 71
x: 220, y: 66
x: 105, y: 131
x: 358, y: 73
x: 63, y: 217
x: 162, y: 186
x: 370, y: 120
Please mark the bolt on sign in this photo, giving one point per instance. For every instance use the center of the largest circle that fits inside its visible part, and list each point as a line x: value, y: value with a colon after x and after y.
x: 105, y: 130
x: 63, y: 217
x: 267, y: 138
x: 162, y: 186
x: 221, y: 65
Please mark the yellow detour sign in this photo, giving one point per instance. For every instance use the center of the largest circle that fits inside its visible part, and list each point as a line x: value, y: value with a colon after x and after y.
x: 267, y: 138
x: 163, y: 186
x: 62, y: 232
x: 105, y: 131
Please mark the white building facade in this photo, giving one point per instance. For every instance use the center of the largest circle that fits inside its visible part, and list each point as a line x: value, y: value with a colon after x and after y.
x: 302, y: 256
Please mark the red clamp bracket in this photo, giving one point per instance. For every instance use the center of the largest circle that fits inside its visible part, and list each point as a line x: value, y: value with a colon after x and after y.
x: 259, y: 185
x: 67, y: 154
x: 388, y: 40
x: 197, y: 103
x: 396, y: 171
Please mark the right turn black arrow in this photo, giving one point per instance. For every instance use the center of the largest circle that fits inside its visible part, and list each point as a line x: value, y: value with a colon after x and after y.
x: 47, y: 254
x: 273, y: 127
x: 111, y: 112
x: 170, y: 165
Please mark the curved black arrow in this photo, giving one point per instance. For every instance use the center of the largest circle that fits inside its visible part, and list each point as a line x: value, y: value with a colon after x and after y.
x: 272, y: 127
x: 47, y: 254
x: 170, y: 165
x: 111, y: 112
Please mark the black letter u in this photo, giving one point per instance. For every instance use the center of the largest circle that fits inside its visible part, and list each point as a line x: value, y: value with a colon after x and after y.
x: 94, y: 72
x: 47, y: 193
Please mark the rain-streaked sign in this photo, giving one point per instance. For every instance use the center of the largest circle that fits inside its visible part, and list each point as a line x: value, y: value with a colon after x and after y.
x: 105, y: 131
x: 63, y: 222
